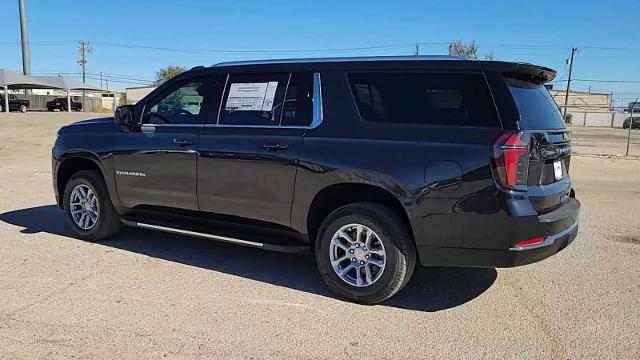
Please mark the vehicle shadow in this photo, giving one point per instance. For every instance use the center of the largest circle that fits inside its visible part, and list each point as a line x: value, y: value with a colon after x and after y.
x: 430, y: 289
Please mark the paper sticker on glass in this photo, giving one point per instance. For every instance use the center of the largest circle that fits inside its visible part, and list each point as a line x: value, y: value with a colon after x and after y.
x: 251, y: 96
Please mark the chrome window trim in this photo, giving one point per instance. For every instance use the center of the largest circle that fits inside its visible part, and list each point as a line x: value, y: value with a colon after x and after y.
x: 317, y: 102
x: 224, y: 90
x: 317, y: 112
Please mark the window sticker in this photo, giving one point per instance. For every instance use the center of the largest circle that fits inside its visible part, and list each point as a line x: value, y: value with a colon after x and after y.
x: 251, y: 96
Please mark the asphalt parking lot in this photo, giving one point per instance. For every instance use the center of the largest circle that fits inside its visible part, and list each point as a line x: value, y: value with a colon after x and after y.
x: 150, y: 295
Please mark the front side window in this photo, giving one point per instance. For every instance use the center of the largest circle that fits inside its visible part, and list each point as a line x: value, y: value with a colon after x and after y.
x: 424, y: 98
x: 188, y: 103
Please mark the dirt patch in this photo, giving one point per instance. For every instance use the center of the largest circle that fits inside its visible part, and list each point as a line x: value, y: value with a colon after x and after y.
x: 632, y: 239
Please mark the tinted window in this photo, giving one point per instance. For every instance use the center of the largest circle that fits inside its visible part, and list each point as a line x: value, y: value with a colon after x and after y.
x: 297, y: 104
x: 537, y: 108
x: 420, y: 98
x: 188, y: 103
x: 253, y: 99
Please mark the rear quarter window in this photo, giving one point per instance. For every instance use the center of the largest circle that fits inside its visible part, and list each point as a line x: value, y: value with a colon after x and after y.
x: 537, y: 108
x: 424, y: 98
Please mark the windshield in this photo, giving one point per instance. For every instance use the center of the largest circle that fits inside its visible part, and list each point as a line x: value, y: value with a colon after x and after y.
x: 536, y: 107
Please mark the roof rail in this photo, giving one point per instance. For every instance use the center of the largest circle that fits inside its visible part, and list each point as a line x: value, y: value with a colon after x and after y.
x: 342, y: 59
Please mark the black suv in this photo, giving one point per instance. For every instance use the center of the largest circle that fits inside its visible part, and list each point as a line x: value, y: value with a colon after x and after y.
x: 634, y: 122
x: 371, y: 163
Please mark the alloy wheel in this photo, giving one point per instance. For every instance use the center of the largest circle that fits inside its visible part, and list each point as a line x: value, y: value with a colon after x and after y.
x: 84, y: 206
x: 357, y: 255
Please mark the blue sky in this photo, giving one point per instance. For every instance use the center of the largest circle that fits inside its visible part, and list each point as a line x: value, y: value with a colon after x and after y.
x: 540, y: 32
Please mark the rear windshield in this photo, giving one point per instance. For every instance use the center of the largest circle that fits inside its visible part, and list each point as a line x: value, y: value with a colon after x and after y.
x: 536, y: 107
x: 424, y: 98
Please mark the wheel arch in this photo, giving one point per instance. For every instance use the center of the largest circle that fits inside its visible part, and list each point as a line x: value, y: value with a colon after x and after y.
x: 334, y: 196
x: 72, y: 162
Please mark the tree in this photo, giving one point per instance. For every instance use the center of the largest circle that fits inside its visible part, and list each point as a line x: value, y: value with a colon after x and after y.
x: 168, y: 72
x: 469, y: 51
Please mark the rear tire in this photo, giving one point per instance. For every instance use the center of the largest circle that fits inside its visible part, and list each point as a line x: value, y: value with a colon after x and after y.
x: 23, y: 108
x: 377, y: 283
x: 92, y: 218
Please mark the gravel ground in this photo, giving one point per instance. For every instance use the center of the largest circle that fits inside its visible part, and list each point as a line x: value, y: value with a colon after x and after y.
x: 149, y: 295
x: 604, y: 141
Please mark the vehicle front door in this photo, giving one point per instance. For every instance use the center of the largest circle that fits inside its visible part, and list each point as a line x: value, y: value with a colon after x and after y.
x: 155, y: 163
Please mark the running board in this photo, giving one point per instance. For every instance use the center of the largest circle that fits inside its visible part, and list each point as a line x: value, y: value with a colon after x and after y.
x: 227, y: 239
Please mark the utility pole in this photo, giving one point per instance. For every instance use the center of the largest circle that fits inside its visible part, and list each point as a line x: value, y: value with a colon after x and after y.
x: 26, y: 61
x: 566, y: 96
x: 84, y: 50
x: 417, y: 49
x: 100, y: 79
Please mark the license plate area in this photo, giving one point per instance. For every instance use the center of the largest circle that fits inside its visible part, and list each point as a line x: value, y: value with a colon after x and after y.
x: 557, y: 169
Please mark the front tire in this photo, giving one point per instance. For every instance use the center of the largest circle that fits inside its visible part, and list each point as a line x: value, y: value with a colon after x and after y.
x: 88, y: 208
x: 365, y: 252
x: 23, y: 108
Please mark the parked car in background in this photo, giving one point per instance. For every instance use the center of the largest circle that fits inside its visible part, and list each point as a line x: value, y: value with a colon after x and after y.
x: 634, y: 122
x: 61, y: 104
x: 15, y: 104
x: 373, y: 164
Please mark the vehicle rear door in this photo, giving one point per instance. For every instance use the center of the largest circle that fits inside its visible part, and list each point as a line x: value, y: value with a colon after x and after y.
x: 548, y: 181
x: 155, y: 164
x: 248, y: 153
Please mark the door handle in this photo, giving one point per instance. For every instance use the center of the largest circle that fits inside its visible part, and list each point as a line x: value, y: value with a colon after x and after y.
x: 182, y: 142
x: 275, y: 146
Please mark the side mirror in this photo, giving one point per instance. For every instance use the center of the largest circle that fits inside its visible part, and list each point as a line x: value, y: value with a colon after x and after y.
x: 124, y: 116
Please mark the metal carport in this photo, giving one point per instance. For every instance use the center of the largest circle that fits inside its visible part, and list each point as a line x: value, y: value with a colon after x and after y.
x: 62, y: 83
x: 12, y: 80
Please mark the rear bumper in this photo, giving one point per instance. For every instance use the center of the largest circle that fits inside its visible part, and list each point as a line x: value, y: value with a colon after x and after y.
x: 560, y: 228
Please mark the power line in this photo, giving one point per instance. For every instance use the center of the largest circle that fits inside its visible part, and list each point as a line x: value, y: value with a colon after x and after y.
x: 320, y: 50
x: 228, y: 51
x: 600, y: 81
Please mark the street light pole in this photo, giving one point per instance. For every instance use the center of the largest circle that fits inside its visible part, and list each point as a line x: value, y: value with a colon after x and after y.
x: 26, y: 61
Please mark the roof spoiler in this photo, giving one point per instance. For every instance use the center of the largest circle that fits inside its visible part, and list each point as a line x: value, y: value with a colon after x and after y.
x: 532, y: 73
x: 523, y: 71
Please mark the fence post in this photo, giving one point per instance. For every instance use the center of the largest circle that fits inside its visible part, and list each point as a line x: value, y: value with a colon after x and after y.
x: 630, y: 126
x: 613, y: 116
x: 584, y: 122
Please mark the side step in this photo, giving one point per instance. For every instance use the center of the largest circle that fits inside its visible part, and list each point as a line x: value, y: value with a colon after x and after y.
x: 222, y: 238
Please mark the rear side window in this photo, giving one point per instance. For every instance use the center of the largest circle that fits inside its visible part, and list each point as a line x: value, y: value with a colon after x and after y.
x: 253, y: 99
x: 296, y: 110
x: 422, y: 98
x: 267, y: 99
x: 537, y: 108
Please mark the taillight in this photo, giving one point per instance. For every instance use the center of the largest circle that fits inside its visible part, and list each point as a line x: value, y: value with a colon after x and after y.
x: 511, y: 160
